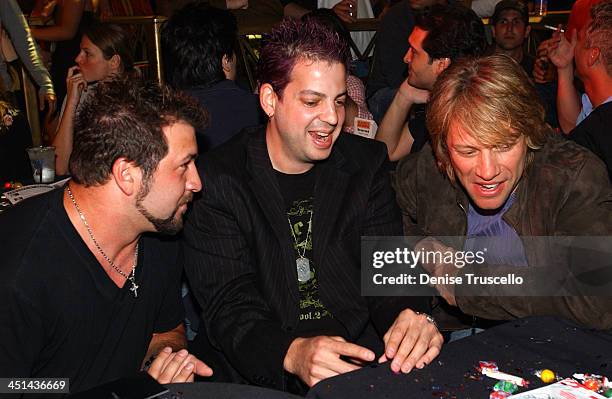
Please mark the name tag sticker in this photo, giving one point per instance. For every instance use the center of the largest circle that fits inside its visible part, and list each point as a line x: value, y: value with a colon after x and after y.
x: 365, y: 128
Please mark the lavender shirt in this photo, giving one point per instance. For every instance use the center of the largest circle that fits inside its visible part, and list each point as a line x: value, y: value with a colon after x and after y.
x: 504, y: 246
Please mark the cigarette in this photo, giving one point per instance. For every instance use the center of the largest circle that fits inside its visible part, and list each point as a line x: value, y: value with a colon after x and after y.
x: 505, y: 377
x: 554, y: 28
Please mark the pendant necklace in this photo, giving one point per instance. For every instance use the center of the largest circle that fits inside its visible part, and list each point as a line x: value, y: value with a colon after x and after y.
x: 132, y: 276
x: 302, y: 264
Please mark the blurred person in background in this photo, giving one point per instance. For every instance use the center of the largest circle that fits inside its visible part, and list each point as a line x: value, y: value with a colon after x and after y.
x: 66, y: 19
x: 106, y: 52
x: 510, y: 28
x: 388, y: 69
x: 199, y: 45
x: 355, y: 105
x: 442, y: 36
x: 16, y: 43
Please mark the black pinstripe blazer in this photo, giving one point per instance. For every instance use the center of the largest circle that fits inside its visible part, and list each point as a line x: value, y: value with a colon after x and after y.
x: 240, y: 260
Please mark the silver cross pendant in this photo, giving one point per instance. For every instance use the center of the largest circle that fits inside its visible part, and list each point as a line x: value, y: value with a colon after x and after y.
x: 134, y: 289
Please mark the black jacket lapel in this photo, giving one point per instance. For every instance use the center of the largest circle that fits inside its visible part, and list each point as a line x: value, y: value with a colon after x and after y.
x: 264, y: 185
x: 333, y: 176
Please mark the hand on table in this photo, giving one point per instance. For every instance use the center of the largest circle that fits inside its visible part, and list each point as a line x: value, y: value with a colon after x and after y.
x: 412, y: 341
x: 346, y: 10
x: 317, y: 358
x: 173, y: 367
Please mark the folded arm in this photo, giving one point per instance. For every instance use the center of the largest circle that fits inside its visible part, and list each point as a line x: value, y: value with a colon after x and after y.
x: 393, y: 129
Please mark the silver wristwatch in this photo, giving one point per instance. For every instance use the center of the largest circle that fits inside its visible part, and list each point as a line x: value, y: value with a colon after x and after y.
x: 429, y: 318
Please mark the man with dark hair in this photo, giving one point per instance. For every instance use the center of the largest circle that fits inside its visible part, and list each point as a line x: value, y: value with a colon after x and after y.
x: 272, y: 246
x: 388, y: 69
x: 199, y: 46
x: 510, y: 28
x: 441, y: 36
x: 84, y: 293
x: 499, y: 181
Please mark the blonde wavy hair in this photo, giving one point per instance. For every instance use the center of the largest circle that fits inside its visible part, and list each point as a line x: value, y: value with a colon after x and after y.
x: 491, y: 98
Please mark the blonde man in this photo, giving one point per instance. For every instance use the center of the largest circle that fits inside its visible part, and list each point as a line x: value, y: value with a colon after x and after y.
x: 494, y: 172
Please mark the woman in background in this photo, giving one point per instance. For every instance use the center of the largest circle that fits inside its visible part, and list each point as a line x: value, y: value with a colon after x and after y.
x: 105, y: 53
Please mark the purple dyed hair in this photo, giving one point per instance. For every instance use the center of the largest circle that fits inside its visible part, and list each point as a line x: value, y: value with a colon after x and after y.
x: 293, y: 40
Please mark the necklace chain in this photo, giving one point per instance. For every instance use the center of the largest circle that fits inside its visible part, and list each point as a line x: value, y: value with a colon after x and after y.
x: 297, y: 247
x: 132, y: 276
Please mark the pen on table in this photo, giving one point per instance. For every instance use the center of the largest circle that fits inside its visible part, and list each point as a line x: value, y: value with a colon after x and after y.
x: 554, y: 28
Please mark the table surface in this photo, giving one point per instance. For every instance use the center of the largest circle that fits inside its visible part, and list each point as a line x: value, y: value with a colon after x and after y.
x: 519, y: 348
x: 212, y: 390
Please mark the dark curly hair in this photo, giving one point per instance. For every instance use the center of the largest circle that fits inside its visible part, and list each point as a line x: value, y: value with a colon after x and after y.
x: 292, y: 40
x: 124, y: 118
x: 194, y: 41
x: 454, y: 31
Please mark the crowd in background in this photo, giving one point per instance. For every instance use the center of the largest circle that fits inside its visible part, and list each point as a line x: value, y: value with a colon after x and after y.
x: 487, y: 136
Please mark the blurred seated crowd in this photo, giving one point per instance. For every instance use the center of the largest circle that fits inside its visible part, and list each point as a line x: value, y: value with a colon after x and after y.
x: 211, y: 231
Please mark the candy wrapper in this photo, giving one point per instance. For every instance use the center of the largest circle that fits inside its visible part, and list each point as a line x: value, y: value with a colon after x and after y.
x: 487, y: 365
x: 567, y: 388
x: 506, y: 386
x: 594, y: 380
x: 499, y: 395
x: 521, y: 382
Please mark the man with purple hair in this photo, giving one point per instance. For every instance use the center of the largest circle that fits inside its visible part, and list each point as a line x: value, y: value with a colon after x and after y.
x: 273, y: 244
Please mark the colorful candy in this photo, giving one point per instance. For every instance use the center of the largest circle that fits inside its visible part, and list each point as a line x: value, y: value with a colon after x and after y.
x: 547, y: 376
x: 499, y: 395
x: 11, y: 184
x: 487, y: 365
x: 506, y: 386
x: 592, y: 383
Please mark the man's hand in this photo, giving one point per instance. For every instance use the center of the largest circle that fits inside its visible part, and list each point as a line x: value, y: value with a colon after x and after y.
x: 542, y: 70
x: 346, y: 10
x: 172, y: 367
x: 562, y: 54
x: 237, y: 4
x: 410, y: 95
x: 412, y: 341
x: 315, y: 359
x: 49, y: 100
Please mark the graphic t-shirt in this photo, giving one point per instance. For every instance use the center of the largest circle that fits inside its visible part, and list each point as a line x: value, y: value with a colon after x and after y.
x: 315, y: 318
